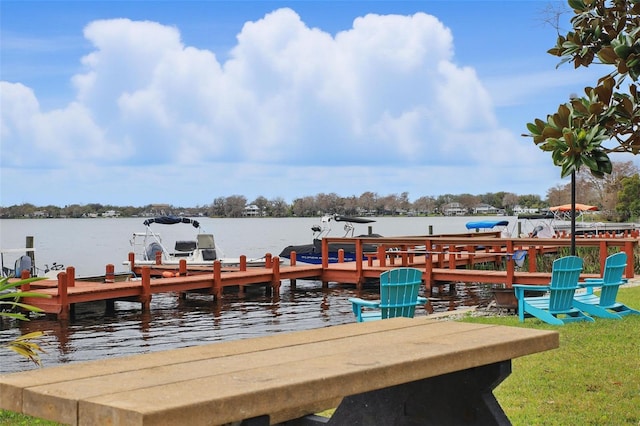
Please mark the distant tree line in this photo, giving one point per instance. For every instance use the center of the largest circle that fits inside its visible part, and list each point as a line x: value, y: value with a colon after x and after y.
x: 617, y: 196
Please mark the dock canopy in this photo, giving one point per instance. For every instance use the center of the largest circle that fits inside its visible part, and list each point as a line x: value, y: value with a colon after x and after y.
x: 486, y: 224
x: 171, y: 220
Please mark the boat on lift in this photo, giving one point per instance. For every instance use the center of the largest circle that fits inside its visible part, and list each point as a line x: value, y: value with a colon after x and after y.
x: 312, y: 252
x: 201, y: 251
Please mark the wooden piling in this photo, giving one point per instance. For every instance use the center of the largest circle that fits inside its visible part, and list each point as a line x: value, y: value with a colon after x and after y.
x: 31, y: 254
x: 510, y: 265
x: 275, y: 281
x: 217, y: 280
x: 292, y: 262
x: 110, y: 274
x: 145, y: 298
x: 62, y: 293
x: 132, y: 261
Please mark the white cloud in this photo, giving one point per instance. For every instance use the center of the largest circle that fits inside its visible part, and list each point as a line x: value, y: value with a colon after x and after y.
x: 384, y: 93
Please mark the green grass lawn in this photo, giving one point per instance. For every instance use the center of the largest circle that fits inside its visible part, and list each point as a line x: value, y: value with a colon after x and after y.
x: 592, y: 379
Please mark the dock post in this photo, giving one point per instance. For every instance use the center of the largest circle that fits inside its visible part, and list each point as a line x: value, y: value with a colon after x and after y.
x: 132, y: 261
x: 275, y: 281
x: 26, y: 286
x: 71, y: 276
x: 158, y: 258
x: 217, y: 280
x: 341, y: 256
x: 243, y: 262
x: 428, y: 270
x: 382, y: 256
x: 325, y: 253
x: 532, y: 253
x: 109, y: 275
x: 325, y: 260
x: 182, y: 268
x: 292, y: 262
x: 62, y: 293
x: 511, y: 264
x: 452, y: 257
x: 359, y: 262
x: 268, y: 261
x: 145, y: 297
x: 604, y: 252
x: 31, y: 254
x: 628, y: 248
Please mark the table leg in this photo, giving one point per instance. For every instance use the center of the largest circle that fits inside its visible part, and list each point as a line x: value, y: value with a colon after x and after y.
x: 459, y: 398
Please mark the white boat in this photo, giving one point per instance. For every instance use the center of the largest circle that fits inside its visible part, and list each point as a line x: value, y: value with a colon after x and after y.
x: 201, y: 251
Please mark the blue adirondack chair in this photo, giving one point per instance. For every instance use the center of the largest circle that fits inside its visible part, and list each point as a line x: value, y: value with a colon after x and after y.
x: 606, y: 306
x: 398, y: 296
x: 556, y: 307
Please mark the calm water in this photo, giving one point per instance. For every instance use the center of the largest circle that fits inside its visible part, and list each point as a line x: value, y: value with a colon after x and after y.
x: 90, y: 244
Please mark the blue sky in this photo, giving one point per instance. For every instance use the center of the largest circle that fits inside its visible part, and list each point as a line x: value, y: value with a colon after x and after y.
x: 138, y: 102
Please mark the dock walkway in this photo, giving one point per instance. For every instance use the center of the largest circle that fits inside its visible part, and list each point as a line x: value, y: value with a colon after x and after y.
x: 443, y: 264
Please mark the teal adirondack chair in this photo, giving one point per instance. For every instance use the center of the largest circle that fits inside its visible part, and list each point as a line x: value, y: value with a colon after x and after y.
x: 556, y: 307
x: 398, y: 296
x: 606, y: 306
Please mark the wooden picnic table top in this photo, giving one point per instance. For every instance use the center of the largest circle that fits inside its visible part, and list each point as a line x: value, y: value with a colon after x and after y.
x: 284, y: 375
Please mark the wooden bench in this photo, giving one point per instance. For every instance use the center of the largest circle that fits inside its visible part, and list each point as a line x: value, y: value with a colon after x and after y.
x: 383, y: 372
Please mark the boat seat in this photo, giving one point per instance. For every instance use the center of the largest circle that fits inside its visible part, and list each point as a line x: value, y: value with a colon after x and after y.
x: 207, y: 246
x: 185, y: 246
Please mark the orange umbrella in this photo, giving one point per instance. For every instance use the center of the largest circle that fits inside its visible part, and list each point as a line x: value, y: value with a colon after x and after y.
x: 567, y: 208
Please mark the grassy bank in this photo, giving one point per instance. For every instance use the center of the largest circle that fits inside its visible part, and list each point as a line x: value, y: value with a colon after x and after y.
x: 592, y: 379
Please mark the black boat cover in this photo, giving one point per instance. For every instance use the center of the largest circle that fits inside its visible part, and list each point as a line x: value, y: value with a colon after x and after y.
x: 171, y: 220
x: 339, y: 218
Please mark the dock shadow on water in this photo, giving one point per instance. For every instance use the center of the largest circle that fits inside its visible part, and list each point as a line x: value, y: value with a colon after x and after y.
x: 97, y: 332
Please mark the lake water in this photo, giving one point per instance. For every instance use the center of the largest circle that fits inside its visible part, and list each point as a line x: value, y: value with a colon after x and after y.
x: 90, y: 244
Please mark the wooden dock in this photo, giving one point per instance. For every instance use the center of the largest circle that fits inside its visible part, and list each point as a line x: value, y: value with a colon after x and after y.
x: 449, y: 259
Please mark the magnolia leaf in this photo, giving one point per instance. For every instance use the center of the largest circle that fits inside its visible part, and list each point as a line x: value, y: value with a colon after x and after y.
x: 563, y: 117
x: 590, y: 162
x: 579, y: 106
x: 607, y: 55
x: 551, y: 132
x: 533, y: 129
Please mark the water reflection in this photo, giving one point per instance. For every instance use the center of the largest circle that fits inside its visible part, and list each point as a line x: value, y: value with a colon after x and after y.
x: 98, y: 331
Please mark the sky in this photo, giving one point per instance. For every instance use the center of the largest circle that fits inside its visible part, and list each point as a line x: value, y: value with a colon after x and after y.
x: 182, y: 102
